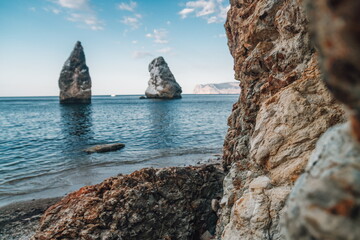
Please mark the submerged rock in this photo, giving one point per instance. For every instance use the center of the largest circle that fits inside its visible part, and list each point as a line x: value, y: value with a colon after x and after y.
x: 162, y: 83
x: 169, y: 203
x: 75, y: 81
x: 105, y: 148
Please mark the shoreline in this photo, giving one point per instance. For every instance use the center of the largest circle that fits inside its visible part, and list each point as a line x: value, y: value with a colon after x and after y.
x: 20, y: 220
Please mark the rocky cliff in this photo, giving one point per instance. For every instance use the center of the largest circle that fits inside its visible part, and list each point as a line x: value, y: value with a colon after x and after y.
x: 325, y: 202
x: 282, y: 111
x: 75, y: 81
x: 217, y: 88
x: 162, y: 83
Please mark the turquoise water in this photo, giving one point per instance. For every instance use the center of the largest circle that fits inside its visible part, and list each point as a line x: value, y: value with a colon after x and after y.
x: 41, y: 141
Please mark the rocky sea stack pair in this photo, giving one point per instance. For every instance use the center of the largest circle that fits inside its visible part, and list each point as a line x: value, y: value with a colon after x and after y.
x: 75, y: 80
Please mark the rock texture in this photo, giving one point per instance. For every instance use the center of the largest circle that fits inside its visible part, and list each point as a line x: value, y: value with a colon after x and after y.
x: 325, y: 203
x: 282, y: 111
x: 75, y: 81
x: 335, y: 26
x: 171, y: 203
x: 217, y: 88
x: 162, y: 83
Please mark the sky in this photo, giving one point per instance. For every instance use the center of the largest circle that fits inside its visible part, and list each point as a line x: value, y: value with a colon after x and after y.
x: 120, y: 38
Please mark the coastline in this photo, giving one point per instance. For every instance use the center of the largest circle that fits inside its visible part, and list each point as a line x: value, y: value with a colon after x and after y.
x: 20, y: 220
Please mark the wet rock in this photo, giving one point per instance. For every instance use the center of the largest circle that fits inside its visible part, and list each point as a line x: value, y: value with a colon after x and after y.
x: 162, y: 83
x: 105, y: 148
x: 75, y: 81
x: 169, y: 203
x: 142, y: 97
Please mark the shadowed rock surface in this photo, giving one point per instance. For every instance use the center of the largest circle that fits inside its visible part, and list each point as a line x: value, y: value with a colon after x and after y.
x: 75, y: 81
x: 162, y: 83
x: 325, y: 202
x: 282, y: 111
x: 105, y: 148
x: 170, y: 203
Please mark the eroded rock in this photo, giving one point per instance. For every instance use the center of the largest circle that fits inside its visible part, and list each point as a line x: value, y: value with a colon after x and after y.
x: 162, y: 83
x: 75, y: 81
x: 282, y: 111
x: 169, y: 203
x: 325, y: 201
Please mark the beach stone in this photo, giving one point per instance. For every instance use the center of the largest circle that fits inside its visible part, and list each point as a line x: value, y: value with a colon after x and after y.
x: 105, y: 148
x: 162, y: 83
x: 74, y: 80
x: 169, y: 203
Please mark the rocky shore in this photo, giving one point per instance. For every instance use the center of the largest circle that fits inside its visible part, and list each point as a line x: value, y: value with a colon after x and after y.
x: 20, y: 220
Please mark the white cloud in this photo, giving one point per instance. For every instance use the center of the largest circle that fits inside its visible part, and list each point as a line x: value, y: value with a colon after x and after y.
x: 133, y: 22
x: 214, y: 11
x: 164, y: 50
x: 183, y: 13
x: 78, y: 11
x: 74, y: 4
x: 168, y: 23
x: 33, y: 9
x: 88, y: 19
x: 141, y: 54
x: 128, y: 6
x: 159, y: 36
x: 134, y: 42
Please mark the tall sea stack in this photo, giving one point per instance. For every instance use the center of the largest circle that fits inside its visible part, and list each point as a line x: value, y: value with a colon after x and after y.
x: 74, y: 80
x: 162, y: 83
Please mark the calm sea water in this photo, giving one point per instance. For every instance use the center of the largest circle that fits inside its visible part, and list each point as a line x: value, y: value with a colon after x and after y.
x: 41, y: 141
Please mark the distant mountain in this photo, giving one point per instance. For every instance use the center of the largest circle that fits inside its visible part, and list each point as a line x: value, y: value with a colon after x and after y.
x: 217, y: 88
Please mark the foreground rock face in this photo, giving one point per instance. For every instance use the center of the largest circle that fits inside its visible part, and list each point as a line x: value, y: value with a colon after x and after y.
x: 325, y: 202
x: 75, y: 81
x: 217, y: 88
x: 162, y: 83
x: 170, y: 203
x: 282, y: 111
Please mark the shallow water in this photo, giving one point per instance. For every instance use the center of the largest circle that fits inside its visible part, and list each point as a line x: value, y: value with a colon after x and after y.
x: 41, y: 141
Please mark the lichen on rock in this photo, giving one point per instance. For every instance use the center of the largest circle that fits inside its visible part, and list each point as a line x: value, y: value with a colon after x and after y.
x: 162, y: 83
x: 74, y: 80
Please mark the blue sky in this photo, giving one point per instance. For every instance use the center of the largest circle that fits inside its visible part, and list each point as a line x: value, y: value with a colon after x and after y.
x: 120, y: 38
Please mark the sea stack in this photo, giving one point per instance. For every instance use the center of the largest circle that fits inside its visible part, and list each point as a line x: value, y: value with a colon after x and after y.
x: 75, y: 81
x: 162, y: 83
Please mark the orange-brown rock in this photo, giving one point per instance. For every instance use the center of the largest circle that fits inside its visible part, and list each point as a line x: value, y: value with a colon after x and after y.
x: 169, y: 203
x: 282, y: 111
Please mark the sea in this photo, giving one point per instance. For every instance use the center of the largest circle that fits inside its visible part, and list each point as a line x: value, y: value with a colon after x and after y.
x: 42, y: 141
